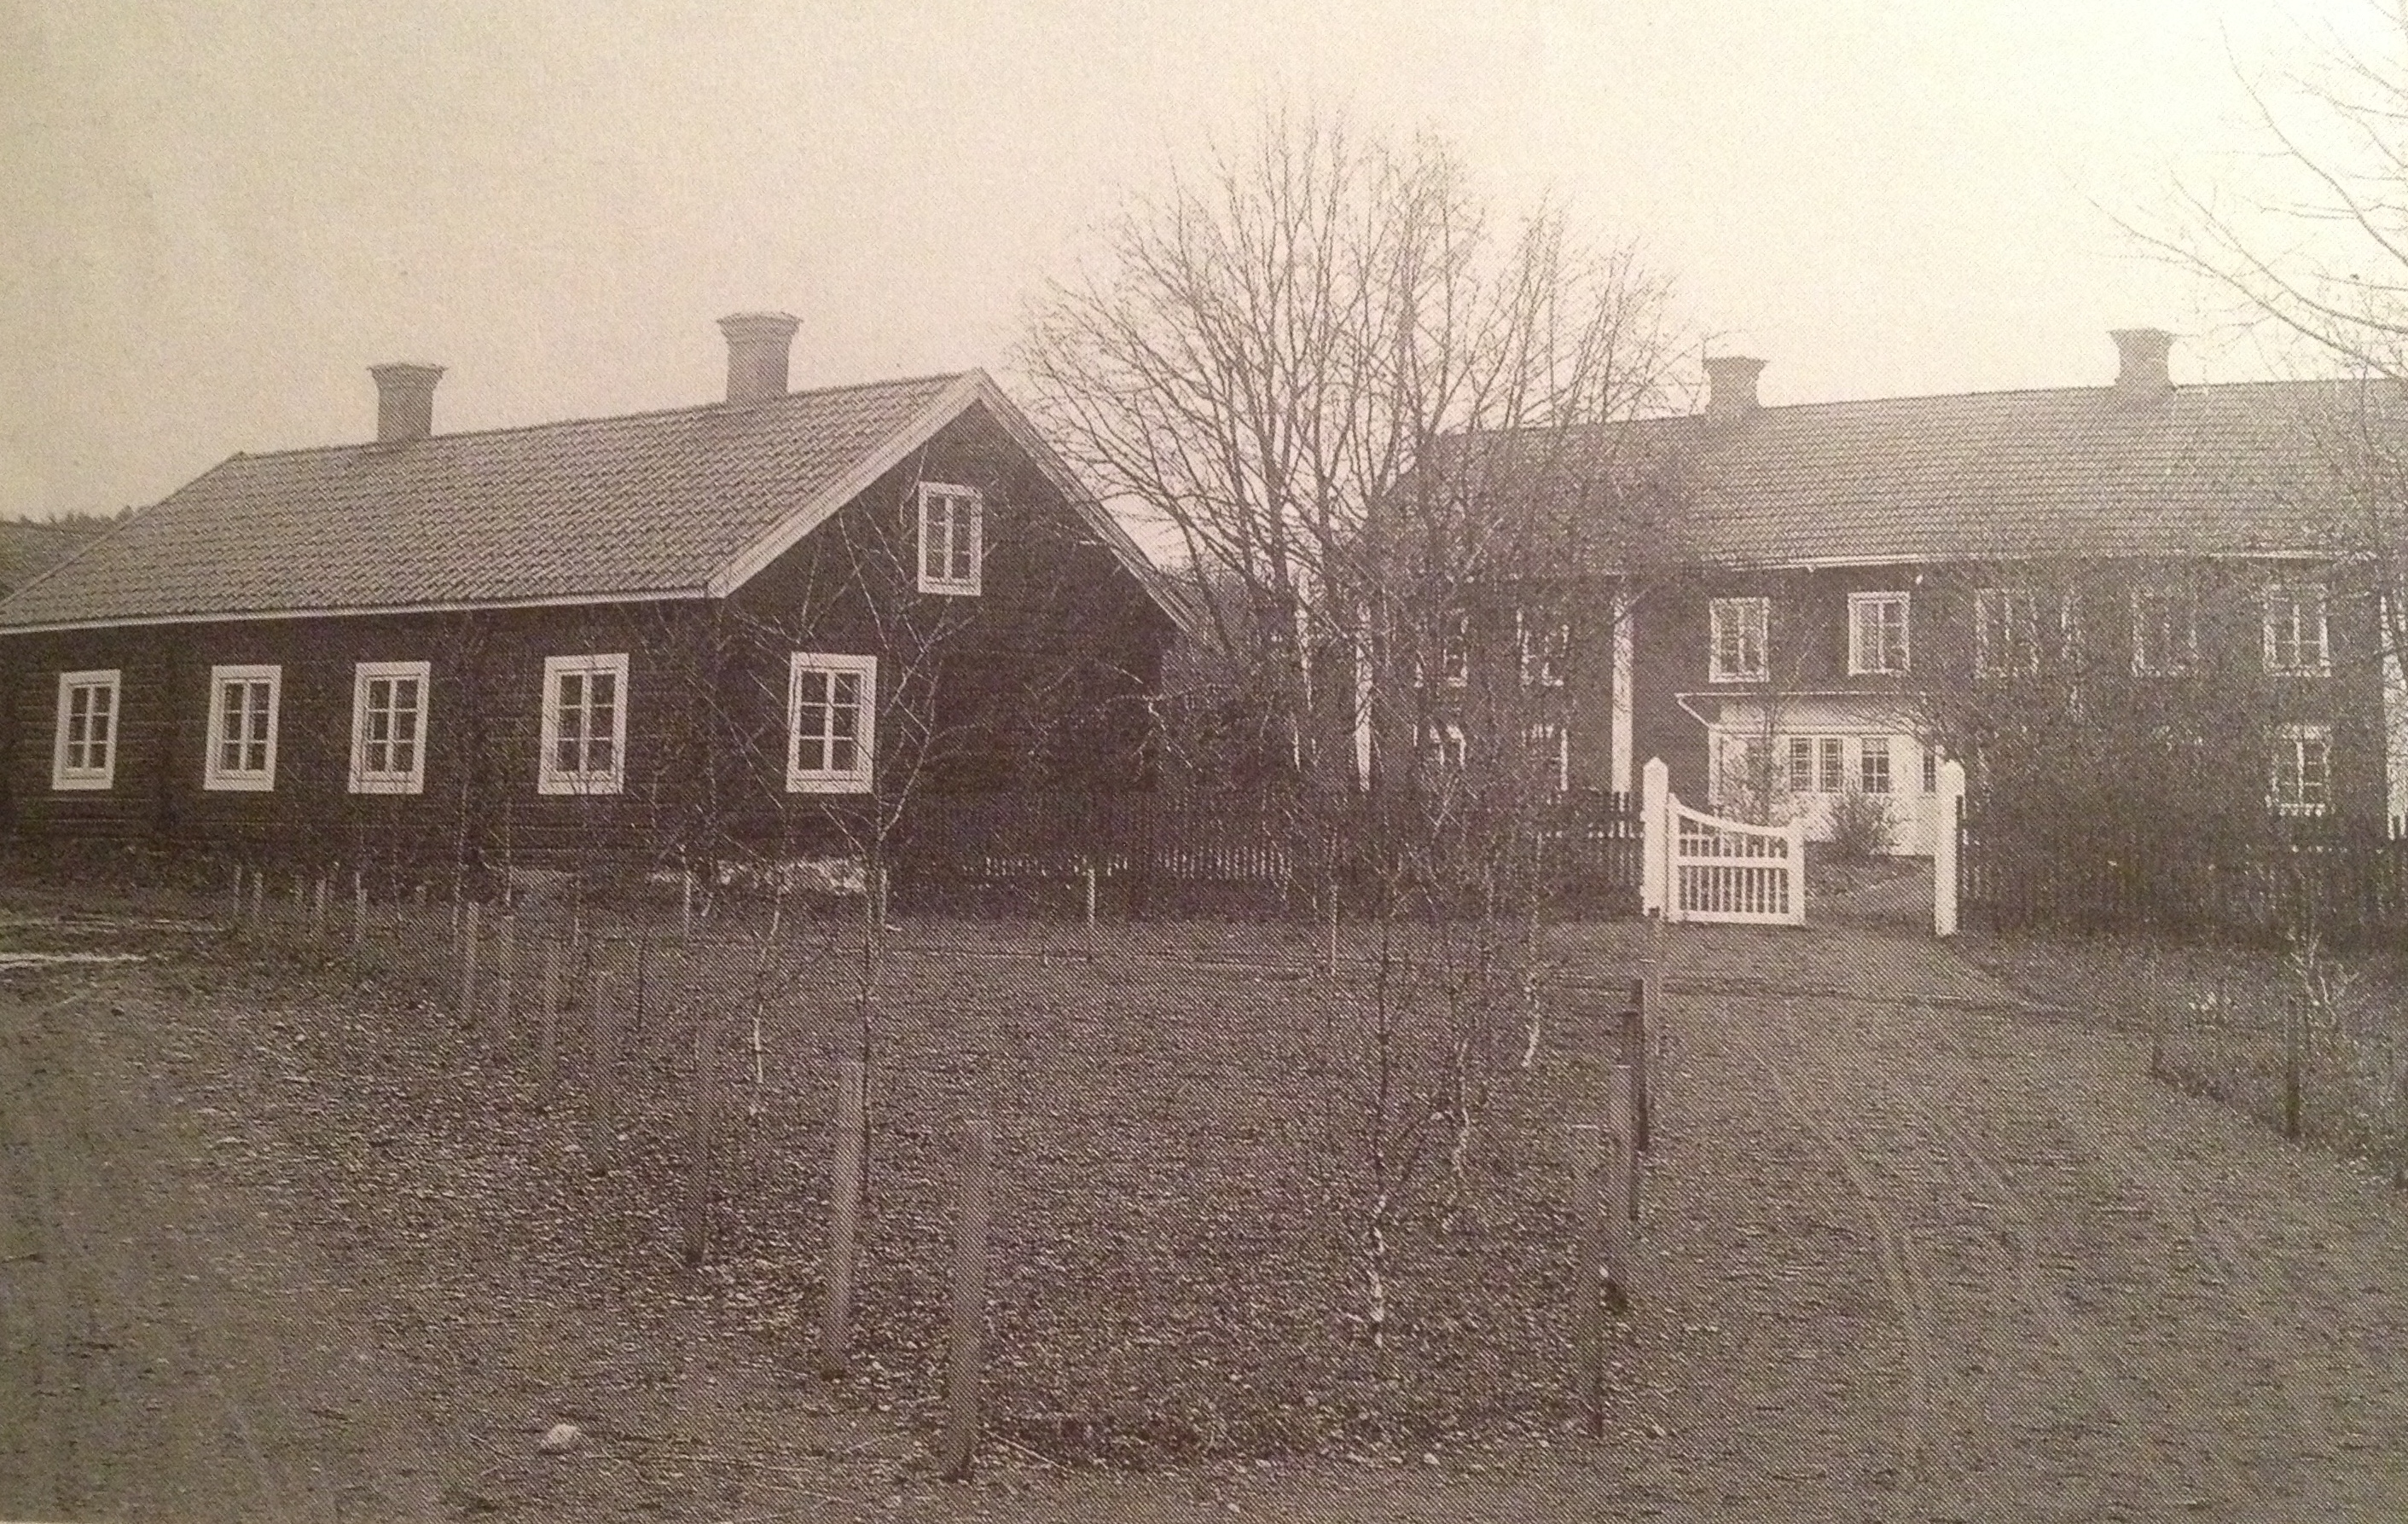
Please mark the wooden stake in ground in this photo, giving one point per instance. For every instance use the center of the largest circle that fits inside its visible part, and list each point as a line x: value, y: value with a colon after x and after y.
x: 468, y: 970
x: 1635, y: 1043
x: 2291, y: 1021
x: 602, y: 1078
x: 359, y: 911
x: 844, y: 1220
x: 548, y: 1053
x: 1651, y: 969
x: 969, y: 1305
x: 1622, y: 1190
x: 1589, y: 1164
x: 505, y: 960
x: 697, y: 1185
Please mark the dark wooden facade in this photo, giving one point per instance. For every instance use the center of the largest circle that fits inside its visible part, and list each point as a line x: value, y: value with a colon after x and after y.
x: 1042, y: 680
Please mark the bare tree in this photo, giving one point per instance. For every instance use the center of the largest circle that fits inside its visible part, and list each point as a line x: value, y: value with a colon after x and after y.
x: 1388, y: 427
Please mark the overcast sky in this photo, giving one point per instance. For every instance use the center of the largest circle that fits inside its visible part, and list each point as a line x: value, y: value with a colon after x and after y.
x: 214, y: 217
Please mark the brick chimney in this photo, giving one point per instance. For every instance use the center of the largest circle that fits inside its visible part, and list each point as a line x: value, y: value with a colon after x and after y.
x: 405, y: 402
x: 1730, y: 385
x: 758, y: 344
x: 2140, y: 354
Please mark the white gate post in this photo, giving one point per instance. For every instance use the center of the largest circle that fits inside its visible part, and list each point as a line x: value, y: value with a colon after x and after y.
x: 1797, y: 866
x: 1943, y: 848
x: 1655, y: 843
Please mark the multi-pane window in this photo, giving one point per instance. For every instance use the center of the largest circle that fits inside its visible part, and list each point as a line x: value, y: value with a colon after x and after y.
x: 2302, y: 772
x: 1873, y: 763
x: 1818, y: 764
x: 584, y: 740
x: 1551, y: 754
x: 832, y: 723
x: 1741, y: 628
x: 2296, y: 632
x: 2165, y: 630
x: 1834, y: 764
x: 1877, y: 631
x: 2006, y: 632
x: 1802, y: 764
x: 242, y: 728
x: 1454, y: 650
x: 1546, y: 645
x: 389, y: 727
x: 85, y: 753
x: 952, y: 524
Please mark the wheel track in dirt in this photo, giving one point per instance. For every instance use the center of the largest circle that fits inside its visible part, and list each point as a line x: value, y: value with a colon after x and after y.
x: 1903, y: 1280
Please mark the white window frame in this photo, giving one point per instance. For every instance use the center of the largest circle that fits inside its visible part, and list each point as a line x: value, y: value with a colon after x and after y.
x: 111, y: 680
x: 1802, y: 764
x: 2006, y: 632
x: 551, y: 778
x: 1753, y: 621
x: 963, y: 506
x: 2290, y: 745
x: 1872, y: 749
x: 2186, y: 608
x: 1861, y: 603
x: 1545, y: 652
x: 857, y: 779
x: 1551, y: 746
x: 389, y: 780
x: 1830, y: 764
x: 2295, y: 604
x: 214, y: 775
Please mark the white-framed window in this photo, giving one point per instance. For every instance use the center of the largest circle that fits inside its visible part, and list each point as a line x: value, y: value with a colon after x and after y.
x: 1446, y: 744
x: 1931, y: 769
x: 831, y: 722
x: 389, y: 705
x: 584, y: 739
x: 1741, y: 643
x: 2165, y: 631
x: 2298, y: 640
x: 2302, y: 770
x: 1833, y: 757
x: 1876, y: 632
x: 951, y: 531
x: 2006, y: 632
x: 1454, y: 650
x: 1546, y: 645
x: 242, y: 728
x: 1551, y: 755
x: 1802, y: 764
x: 85, y: 756
x: 1873, y: 763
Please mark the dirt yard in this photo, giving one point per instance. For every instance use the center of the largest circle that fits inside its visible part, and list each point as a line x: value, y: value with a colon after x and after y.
x: 269, y: 1248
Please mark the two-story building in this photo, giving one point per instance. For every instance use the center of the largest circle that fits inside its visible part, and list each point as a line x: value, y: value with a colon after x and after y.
x: 1854, y: 588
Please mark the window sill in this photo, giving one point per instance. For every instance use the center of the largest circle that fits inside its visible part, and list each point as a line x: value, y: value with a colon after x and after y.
x: 376, y: 785
x: 558, y: 785
x: 239, y: 785
x: 951, y: 589
x: 826, y: 783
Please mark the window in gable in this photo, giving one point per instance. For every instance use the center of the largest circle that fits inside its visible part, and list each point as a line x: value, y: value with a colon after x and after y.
x: 951, y: 530
x: 1876, y: 632
x: 831, y: 723
x: 584, y: 739
x: 84, y: 755
x: 2296, y: 636
x: 1741, y: 646
x: 389, y: 704
x: 242, y: 728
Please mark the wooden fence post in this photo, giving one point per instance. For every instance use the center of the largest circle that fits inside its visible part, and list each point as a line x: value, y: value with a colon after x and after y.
x: 506, y: 956
x: 602, y: 1078
x: 547, y: 1055
x: 1623, y: 1188
x: 969, y: 1304
x: 1588, y: 1275
x: 468, y: 970
x: 1091, y: 894
x: 1634, y: 1053
x: 2291, y: 1021
x: 844, y: 1218
x: 359, y: 911
x: 698, y: 1190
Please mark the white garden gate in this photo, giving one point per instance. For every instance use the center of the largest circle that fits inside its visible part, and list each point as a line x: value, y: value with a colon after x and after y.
x: 1702, y: 867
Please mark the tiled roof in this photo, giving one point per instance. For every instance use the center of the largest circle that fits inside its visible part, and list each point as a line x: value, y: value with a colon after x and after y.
x: 2084, y: 472
x: 656, y: 504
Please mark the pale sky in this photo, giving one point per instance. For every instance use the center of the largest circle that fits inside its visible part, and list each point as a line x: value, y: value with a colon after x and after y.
x: 214, y: 217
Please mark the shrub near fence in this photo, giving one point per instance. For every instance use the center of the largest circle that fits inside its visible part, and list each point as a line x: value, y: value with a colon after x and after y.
x: 1164, y: 852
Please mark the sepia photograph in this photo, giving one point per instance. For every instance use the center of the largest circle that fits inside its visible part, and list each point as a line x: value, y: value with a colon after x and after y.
x: 1087, y: 761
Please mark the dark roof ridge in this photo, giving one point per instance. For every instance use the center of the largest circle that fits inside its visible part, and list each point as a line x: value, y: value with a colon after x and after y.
x: 949, y: 377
